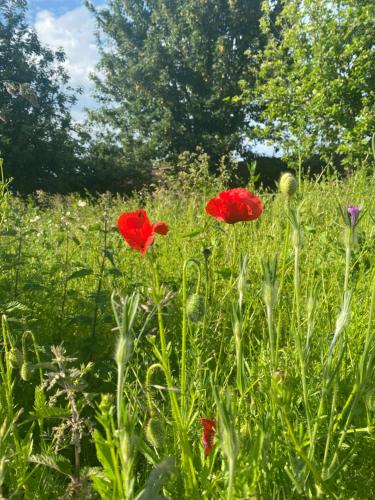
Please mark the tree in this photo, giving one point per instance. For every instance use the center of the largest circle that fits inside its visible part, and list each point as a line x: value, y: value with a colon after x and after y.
x: 316, y: 80
x: 35, y: 122
x: 167, y: 73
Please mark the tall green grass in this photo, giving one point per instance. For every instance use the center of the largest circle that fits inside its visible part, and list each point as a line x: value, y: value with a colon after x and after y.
x: 268, y: 328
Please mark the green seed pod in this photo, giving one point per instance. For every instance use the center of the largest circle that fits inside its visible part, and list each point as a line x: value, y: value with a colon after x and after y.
x: 26, y: 371
x: 15, y: 357
x: 155, y: 432
x: 195, y: 308
x: 370, y: 400
x: 288, y: 184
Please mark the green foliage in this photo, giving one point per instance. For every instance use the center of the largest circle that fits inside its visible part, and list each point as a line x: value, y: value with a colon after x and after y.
x: 285, y: 367
x: 35, y: 122
x: 168, y: 71
x: 315, y: 82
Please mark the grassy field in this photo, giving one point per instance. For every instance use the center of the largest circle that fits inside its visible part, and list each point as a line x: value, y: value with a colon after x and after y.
x: 269, y: 332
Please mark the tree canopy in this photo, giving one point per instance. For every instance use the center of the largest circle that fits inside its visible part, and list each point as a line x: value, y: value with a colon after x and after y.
x: 167, y: 72
x: 35, y: 100
x: 316, y: 80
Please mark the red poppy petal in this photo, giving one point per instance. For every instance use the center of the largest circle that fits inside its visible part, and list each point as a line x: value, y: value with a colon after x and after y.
x: 235, y: 205
x: 160, y: 228
x: 208, y: 435
x: 255, y: 208
x: 216, y: 209
x: 208, y: 423
x: 136, y: 230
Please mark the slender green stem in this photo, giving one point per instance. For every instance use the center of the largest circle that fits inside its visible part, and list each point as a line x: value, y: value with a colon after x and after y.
x: 185, y: 328
x: 234, y: 255
x: 187, y: 459
x: 120, y: 391
x: 99, y: 286
x: 149, y: 373
x: 183, y: 341
x: 231, y: 480
x: 282, y: 281
x: 18, y: 264
x: 348, y: 255
x: 330, y: 428
x: 269, y: 310
x: 206, y: 296
x: 297, y: 287
x: 65, y: 287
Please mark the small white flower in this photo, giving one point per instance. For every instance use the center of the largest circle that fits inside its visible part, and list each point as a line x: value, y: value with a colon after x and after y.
x: 35, y: 219
x: 81, y: 203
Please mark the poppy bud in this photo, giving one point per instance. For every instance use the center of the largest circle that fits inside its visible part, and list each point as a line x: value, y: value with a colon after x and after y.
x: 124, y: 350
x: 241, y: 284
x: 288, y: 184
x: 195, y: 308
x: 26, y: 371
x: 155, y: 432
x: 269, y: 294
x: 15, y: 357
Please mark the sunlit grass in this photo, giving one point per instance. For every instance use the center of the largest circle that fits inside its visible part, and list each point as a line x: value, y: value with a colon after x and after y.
x: 294, y: 408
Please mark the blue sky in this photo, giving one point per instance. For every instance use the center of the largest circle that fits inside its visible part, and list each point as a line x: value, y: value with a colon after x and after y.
x: 69, y: 24
x: 57, y: 7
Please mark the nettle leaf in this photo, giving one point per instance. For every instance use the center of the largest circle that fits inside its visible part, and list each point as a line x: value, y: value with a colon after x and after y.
x: 80, y: 273
x: 12, y: 306
x: 50, y: 412
x: 100, y: 482
x: 103, y: 452
x: 56, y: 462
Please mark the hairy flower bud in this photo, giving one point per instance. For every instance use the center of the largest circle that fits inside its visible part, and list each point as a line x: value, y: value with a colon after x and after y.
x: 195, y: 308
x: 124, y: 349
x: 288, y: 184
x: 155, y: 432
x: 26, y: 371
x: 15, y: 357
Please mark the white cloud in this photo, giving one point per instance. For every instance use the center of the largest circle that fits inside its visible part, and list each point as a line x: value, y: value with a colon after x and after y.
x: 74, y: 32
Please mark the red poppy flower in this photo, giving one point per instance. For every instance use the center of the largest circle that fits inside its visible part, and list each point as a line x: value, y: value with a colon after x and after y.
x: 235, y: 205
x: 137, y: 230
x: 208, y: 434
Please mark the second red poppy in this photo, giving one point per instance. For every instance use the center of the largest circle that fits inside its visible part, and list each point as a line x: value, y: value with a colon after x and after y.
x: 235, y: 205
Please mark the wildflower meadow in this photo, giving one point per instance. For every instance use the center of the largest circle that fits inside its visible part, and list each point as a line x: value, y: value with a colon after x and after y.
x: 201, y: 341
